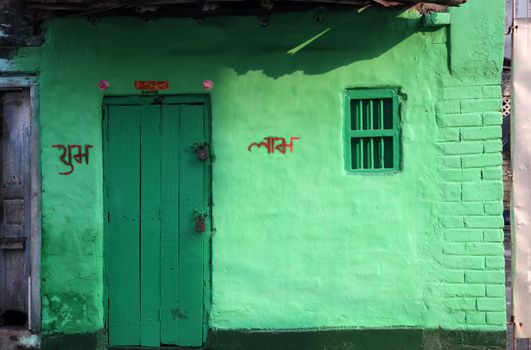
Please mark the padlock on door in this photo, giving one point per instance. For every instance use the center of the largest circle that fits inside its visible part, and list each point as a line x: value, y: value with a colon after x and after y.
x: 200, y: 221
x: 202, y: 150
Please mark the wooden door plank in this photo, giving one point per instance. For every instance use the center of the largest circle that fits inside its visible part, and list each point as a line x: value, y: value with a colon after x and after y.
x: 191, y: 184
x: 26, y: 176
x: 150, y: 225
x: 3, y: 282
x: 123, y: 201
x: 170, y: 226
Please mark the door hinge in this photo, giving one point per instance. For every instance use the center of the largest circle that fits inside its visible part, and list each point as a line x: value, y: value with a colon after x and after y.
x: 108, y: 216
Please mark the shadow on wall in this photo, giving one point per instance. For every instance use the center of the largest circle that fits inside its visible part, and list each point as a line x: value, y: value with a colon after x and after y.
x: 333, y: 40
x: 314, y: 42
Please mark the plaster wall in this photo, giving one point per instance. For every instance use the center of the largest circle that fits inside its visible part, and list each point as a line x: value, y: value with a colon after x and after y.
x: 297, y: 242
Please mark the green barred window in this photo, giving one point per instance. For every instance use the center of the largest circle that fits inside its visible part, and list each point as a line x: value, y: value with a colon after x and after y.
x: 372, y: 132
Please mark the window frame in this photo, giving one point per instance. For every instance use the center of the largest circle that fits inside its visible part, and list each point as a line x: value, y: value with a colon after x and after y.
x: 349, y: 134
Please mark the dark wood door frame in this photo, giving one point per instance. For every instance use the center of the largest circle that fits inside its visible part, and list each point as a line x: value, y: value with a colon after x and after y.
x: 28, y: 84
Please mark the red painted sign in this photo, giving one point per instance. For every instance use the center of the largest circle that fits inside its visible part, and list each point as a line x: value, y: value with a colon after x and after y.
x: 67, y: 156
x: 151, y: 85
x: 275, y: 143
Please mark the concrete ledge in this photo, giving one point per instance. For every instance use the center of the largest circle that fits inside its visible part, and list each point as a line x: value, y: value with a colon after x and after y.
x: 359, y: 339
x: 344, y: 339
x: 78, y: 341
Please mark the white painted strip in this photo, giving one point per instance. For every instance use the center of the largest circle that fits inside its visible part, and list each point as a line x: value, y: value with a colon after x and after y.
x: 521, y: 193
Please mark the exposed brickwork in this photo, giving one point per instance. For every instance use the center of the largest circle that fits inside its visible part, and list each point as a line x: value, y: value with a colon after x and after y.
x: 471, y: 200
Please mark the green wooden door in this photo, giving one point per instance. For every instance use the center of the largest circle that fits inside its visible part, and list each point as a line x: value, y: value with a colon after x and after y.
x: 154, y: 184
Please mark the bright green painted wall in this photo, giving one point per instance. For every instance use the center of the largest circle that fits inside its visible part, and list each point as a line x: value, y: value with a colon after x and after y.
x: 298, y: 242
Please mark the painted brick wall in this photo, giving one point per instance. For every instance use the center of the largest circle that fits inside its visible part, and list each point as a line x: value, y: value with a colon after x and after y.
x: 471, y: 193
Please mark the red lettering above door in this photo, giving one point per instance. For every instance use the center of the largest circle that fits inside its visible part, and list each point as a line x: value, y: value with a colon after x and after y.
x: 151, y: 85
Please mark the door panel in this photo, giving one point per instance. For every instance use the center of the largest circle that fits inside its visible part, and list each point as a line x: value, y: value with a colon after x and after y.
x: 150, y: 225
x: 170, y: 225
x: 191, y: 184
x: 155, y: 184
x: 14, y: 212
x: 123, y: 203
x: 16, y: 281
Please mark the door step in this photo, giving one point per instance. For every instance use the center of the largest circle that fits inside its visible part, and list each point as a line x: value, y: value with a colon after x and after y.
x: 17, y: 338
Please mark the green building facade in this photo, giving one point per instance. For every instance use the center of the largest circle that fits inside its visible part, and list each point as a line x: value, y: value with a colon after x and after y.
x: 352, y: 197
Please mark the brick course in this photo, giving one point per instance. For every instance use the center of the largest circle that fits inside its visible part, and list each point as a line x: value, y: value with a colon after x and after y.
x: 471, y: 194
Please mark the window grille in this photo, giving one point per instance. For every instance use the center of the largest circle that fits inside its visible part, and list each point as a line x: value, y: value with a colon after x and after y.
x: 506, y: 106
x: 372, y: 131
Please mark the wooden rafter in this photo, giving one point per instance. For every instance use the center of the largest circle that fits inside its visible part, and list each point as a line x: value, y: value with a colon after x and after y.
x: 74, y: 5
x: 43, y: 9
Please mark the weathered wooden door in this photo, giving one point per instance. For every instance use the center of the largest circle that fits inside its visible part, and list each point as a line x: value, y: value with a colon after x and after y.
x: 156, y: 186
x: 14, y: 208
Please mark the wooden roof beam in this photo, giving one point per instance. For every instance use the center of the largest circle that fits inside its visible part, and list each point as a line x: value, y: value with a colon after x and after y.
x: 439, y: 2
x: 91, y: 4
